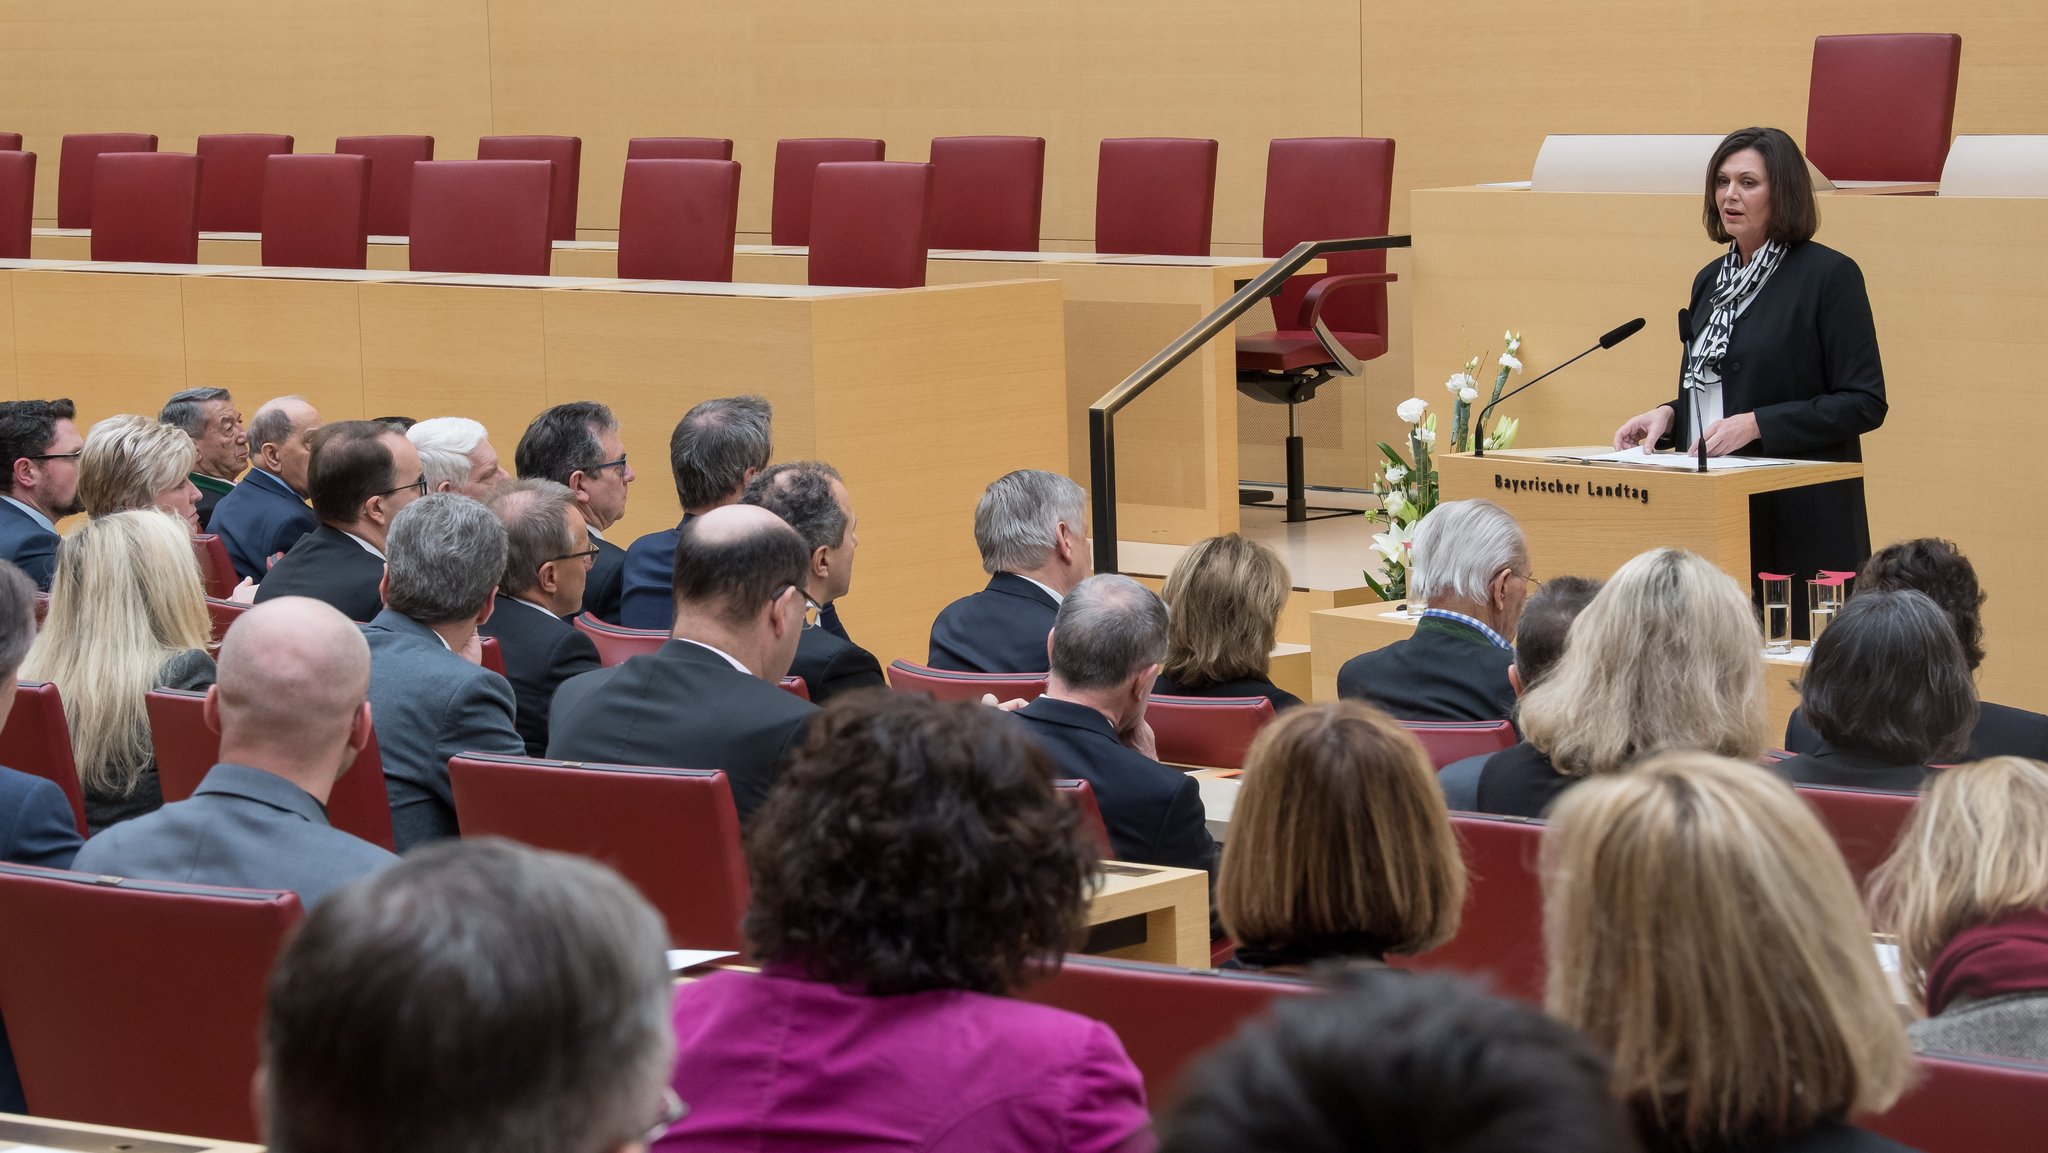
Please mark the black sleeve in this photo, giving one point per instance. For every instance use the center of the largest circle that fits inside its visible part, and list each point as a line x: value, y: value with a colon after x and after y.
x: 851, y: 668
x: 1853, y: 402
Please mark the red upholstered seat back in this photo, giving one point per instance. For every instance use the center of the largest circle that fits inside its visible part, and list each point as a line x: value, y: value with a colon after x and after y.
x: 678, y: 148
x: 615, y: 643
x: 673, y: 833
x: 391, y: 161
x: 145, y: 206
x: 216, y: 571
x: 796, y: 165
x: 987, y: 192
x: 795, y: 686
x: 231, y: 172
x: 941, y: 684
x: 677, y: 219
x: 1882, y: 107
x: 565, y: 151
x: 316, y: 211
x: 137, y: 1004
x: 1969, y: 1104
x: 78, y: 164
x: 1155, y: 195
x: 1500, y: 936
x: 1081, y: 795
x: 10, y: 141
x: 486, y: 216
x: 1165, y: 1016
x: 1864, y: 822
x: 17, y: 201
x: 871, y: 224
x: 1331, y: 188
x: 1211, y: 732
x: 223, y: 613
x: 1447, y: 741
x: 36, y: 739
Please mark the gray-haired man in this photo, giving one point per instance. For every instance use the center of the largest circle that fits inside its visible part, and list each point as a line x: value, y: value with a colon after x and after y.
x: 209, y: 417
x: 1031, y: 529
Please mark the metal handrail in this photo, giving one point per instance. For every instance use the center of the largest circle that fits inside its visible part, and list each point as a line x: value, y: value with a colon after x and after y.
x: 1102, y: 414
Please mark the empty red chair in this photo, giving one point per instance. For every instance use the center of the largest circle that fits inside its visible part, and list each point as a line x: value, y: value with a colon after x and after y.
x: 678, y: 148
x: 316, y: 211
x: 488, y: 216
x: 1864, y: 822
x: 223, y: 613
x: 615, y: 643
x: 1165, y: 1016
x: 871, y: 224
x: 231, y: 173
x: 1448, y: 741
x: 17, y: 202
x: 1081, y: 795
x: 145, y: 206
x: 171, y: 1046
x: 78, y: 164
x: 216, y: 571
x: 1969, y: 1104
x: 796, y: 167
x: 1882, y: 107
x: 1209, y: 732
x: 987, y: 192
x: 36, y: 739
x: 391, y: 160
x: 677, y: 219
x: 1500, y: 936
x: 1155, y: 195
x: 673, y: 833
x: 565, y: 151
x: 944, y: 685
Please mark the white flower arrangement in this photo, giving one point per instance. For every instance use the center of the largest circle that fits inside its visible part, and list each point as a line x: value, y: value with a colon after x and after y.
x: 1466, y: 386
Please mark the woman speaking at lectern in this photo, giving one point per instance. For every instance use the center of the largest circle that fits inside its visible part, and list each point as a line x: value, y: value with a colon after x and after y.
x: 1780, y: 358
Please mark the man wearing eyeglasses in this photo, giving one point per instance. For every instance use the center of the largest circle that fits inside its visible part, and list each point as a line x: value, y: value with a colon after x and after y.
x: 362, y: 472
x: 578, y: 445
x: 548, y: 557
x: 40, y: 445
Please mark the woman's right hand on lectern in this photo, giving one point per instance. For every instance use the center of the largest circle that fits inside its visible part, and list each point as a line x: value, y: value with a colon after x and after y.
x: 1645, y: 430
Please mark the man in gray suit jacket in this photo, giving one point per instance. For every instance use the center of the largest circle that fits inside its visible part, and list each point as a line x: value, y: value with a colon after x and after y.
x: 292, y: 712
x: 432, y: 696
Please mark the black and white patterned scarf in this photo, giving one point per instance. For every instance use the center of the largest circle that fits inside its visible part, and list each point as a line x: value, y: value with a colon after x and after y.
x: 1734, y: 285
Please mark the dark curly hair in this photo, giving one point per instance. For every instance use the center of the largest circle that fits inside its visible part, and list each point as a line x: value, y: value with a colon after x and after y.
x: 1939, y: 569
x: 913, y: 845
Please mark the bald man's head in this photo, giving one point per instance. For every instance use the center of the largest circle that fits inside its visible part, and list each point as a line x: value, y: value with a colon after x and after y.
x: 293, y: 674
x: 733, y: 560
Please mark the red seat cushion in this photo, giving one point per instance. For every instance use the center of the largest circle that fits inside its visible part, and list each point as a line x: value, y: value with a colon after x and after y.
x: 391, y: 160
x: 78, y: 163
x: 677, y: 219
x: 488, y: 216
x: 231, y: 173
x: 1865, y: 823
x: 565, y: 151
x: 1298, y: 348
x: 1882, y: 107
x: 316, y: 211
x: 1500, y: 936
x: 987, y: 192
x: 17, y: 202
x: 216, y: 571
x: 796, y: 167
x: 1081, y: 795
x: 1155, y: 195
x: 1448, y: 741
x: 145, y: 207
x: 871, y: 224
x: 945, y: 685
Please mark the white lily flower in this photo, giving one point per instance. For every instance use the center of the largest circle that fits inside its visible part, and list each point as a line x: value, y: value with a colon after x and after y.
x: 1468, y: 394
x: 1507, y: 360
x: 1411, y: 410
x: 1396, y: 474
x: 1393, y: 544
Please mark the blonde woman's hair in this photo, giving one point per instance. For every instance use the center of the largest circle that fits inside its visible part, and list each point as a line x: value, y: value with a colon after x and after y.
x: 128, y: 459
x: 1224, y: 598
x: 1700, y: 925
x: 1667, y: 656
x: 126, y: 598
x: 1340, y: 831
x: 1974, y: 852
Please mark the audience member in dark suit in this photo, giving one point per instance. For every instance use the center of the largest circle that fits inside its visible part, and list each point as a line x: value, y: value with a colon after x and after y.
x: 429, y: 690
x: 39, y: 446
x: 811, y: 496
x: 456, y: 456
x: 707, y: 699
x: 1469, y: 568
x: 578, y: 446
x: 1939, y: 569
x: 1888, y: 691
x: 714, y: 451
x: 210, y: 418
x: 1032, y: 531
x: 1225, y: 595
x: 360, y: 474
x: 292, y: 710
x: 266, y: 514
x: 1667, y: 655
x: 547, y: 559
x: 1539, y: 645
x: 1106, y: 645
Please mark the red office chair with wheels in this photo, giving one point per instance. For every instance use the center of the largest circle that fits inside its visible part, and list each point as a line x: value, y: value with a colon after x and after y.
x: 145, y: 207
x: 987, y: 192
x: 678, y: 148
x: 1969, y: 1104
x: 36, y: 739
x: 1500, y: 936
x: 76, y: 1006
x: 487, y: 216
x: 1448, y: 741
x: 316, y: 211
x: 1865, y: 823
x: 1081, y: 795
x: 871, y: 224
x: 1323, y: 188
x: 1882, y: 107
x: 796, y: 169
x: 616, y: 644
x: 391, y: 160
x: 946, y: 685
x: 1207, y: 732
x: 1155, y: 196
x: 565, y: 151
x: 673, y: 833
x: 231, y: 176
x: 677, y: 219
x: 17, y: 201
x: 216, y: 571
x: 78, y: 163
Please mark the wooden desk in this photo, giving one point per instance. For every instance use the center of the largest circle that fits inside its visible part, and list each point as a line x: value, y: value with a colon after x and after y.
x: 1174, y: 903
x: 17, y: 1132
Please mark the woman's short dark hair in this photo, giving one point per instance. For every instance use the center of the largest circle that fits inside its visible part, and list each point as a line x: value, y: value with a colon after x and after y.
x: 1888, y: 679
x: 1795, y: 216
x: 1939, y: 569
x: 913, y: 845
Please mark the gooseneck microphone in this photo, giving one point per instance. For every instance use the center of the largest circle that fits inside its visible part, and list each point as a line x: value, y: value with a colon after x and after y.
x: 1612, y: 338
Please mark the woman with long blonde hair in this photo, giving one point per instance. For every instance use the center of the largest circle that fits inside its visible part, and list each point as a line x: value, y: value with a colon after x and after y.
x: 1966, y: 891
x: 127, y: 615
x: 1223, y: 600
x: 1668, y: 656
x: 1700, y: 925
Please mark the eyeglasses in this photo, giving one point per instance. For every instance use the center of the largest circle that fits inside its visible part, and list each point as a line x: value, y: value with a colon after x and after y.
x: 619, y: 464
x: 74, y: 454
x: 672, y: 1111
x: 419, y: 487
x: 587, y: 556
x: 810, y: 606
x: 1531, y: 581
